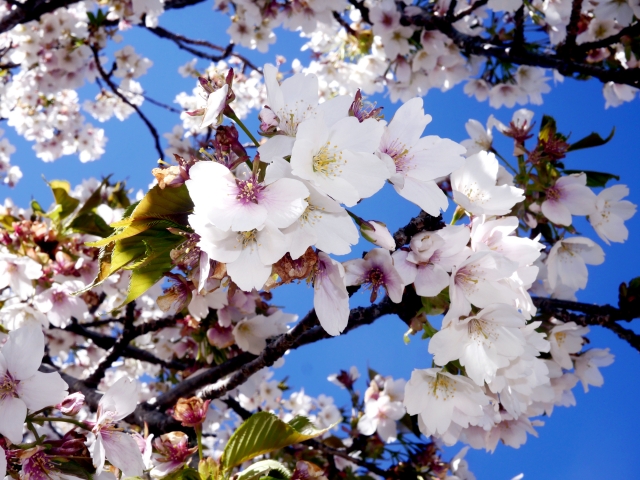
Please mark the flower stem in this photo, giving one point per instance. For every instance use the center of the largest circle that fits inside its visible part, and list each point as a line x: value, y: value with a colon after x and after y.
x: 504, y: 160
x: 60, y: 419
x: 457, y: 215
x: 198, y: 429
x: 232, y: 115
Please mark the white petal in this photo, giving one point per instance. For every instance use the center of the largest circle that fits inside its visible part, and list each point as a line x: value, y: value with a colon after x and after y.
x: 122, y: 451
x: 13, y: 412
x: 23, y: 351
x: 122, y: 397
x: 42, y: 390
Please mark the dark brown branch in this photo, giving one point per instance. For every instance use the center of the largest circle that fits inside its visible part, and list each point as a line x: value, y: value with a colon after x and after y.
x: 364, y: 11
x: 630, y: 31
x: 115, y: 89
x: 572, y: 28
x: 106, y: 342
x: 344, y: 24
x: 518, y: 33
x: 422, y: 222
x: 183, y: 43
x: 317, y: 445
x: 308, y: 330
x: 471, y: 45
x: 600, y: 315
x: 474, y: 6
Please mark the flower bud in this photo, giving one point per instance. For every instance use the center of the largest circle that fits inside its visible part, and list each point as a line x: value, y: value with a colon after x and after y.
x: 191, y: 412
x: 268, y: 121
x: 220, y: 337
x: 72, y: 404
x: 378, y: 234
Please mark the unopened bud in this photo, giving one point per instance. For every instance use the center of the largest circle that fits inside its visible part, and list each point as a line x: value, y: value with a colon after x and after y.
x: 220, y: 337
x: 72, y: 404
x: 378, y: 234
x: 191, y: 412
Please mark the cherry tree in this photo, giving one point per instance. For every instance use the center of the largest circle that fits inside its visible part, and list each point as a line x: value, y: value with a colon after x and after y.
x: 139, y: 331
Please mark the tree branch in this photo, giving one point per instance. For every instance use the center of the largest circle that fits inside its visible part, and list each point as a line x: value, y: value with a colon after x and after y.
x: 630, y: 31
x: 115, y: 89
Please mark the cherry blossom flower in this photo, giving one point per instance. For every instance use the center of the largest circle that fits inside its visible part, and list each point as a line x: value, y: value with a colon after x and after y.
x: 22, y: 386
x: 565, y: 339
x: 59, y: 303
x: 376, y: 270
x: 244, y: 204
x: 483, y: 343
x: 378, y: 234
x: 330, y: 299
x: 172, y: 453
x: 417, y: 162
x: 441, y: 399
x: 381, y: 415
x: 587, y: 366
x: 568, y: 259
x: 477, y: 281
x: 111, y: 443
x: 474, y: 187
x: 610, y: 214
x: 433, y: 255
x: 481, y: 138
x: 251, y: 333
x: 339, y: 160
x: 568, y: 196
x: 18, y: 273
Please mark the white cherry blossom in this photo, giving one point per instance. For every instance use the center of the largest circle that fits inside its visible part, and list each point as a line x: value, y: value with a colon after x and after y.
x: 376, y: 271
x: 569, y: 196
x: 610, y: 214
x: 22, y: 387
x: 18, y: 273
x: 417, y: 162
x: 568, y: 259
x: 251, y: 333
x: 587, y: 366
x: 330, y: 299
x: 474, y: 187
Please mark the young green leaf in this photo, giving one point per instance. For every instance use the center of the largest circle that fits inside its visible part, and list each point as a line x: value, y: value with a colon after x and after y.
x: 591, y: 140
x: 264, y: 467
x: 262, y: 433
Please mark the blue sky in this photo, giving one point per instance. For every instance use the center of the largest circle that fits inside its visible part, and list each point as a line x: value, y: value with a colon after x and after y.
x: 597, y: 438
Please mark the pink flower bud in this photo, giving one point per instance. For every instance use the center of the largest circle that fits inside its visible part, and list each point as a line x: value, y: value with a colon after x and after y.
x: 191, y: 412
x: 72, y: 404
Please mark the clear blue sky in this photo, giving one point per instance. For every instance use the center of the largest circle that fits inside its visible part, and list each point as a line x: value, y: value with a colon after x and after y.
x: 596, y: 439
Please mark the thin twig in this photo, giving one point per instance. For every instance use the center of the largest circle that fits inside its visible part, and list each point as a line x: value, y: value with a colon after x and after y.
x: 114, y: 88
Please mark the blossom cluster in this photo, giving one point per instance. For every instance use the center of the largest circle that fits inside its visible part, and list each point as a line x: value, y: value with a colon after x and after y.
x: 225, y: 228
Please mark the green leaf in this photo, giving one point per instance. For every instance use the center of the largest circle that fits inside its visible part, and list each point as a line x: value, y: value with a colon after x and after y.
x: 595, y: 179
x: 68, y: 204
x: 547, y: 128
x: 92, y: 224
x: 169, y: 204
x: 94, y: 200
x: 262, y: 433
x: 264, y: 467
x: 591, y: 140
x: 183, y: 474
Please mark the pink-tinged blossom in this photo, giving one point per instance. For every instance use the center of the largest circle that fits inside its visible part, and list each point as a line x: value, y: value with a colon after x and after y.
x: 251, y: 333
x: 610, y: 214
x: 172, y: 453
x: 568, y: 196
x: 248, y: 255
x: 483, y: 343
x: 433, y: 255
x: 216, y: 103
x: 442, y: 399
x: 587, y: 366
x: 18, y: 273
x: 565, y: 339
x: 22, y: 386
x: 3, y: 463
x: 375, y: 271
x: 71, y: 404
x: 339, y: 160
x: 381, y: 415
x: 19, y: 314
x: 476, y: 281
x: 499, y: 236
x: 59, y: 303
x: 237, y: 204
x: 474, y: 187
x: 417, y: 162
x: 568, y: 259
x: 330, y: 299
x: 112, y: 444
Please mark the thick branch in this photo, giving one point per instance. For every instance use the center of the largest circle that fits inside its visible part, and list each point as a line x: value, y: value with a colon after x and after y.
x: 601, y: 315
